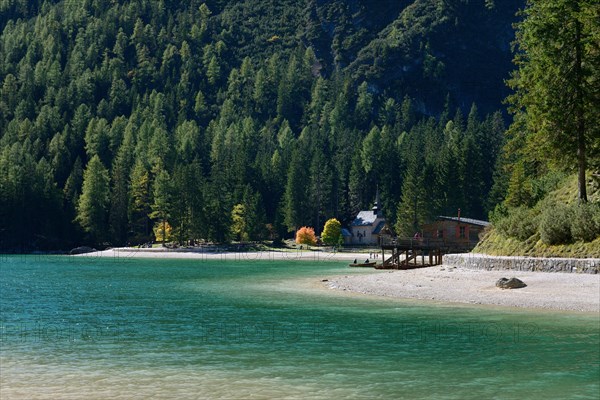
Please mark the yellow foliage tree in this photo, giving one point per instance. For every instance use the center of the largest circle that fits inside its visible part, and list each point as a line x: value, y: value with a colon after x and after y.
x: 159, y: 234
x: 332, y: 232
x: 238, y: 223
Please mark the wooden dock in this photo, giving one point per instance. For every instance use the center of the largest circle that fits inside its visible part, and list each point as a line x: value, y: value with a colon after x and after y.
x: 409, y: 253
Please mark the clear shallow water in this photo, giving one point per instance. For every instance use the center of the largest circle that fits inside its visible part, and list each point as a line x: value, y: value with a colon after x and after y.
x: 125, y: 328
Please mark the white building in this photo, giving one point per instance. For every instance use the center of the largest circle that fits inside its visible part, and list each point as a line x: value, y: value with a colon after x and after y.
x: 367, y: 226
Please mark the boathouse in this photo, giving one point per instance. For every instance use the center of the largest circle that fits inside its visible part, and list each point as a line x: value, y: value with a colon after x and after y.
x: 457, y: 233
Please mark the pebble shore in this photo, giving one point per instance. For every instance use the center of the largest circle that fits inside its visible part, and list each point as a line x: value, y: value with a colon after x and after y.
x: 545, y: 290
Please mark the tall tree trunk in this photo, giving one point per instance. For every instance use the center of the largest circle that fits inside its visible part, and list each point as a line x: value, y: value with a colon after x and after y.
x: 581, y: 159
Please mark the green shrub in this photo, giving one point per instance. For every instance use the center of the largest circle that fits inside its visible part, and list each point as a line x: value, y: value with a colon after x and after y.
x: 546, y: 184
x: 520, y: 223
x: 555, y: 224
x: 498, y: 213
x: 585, y: 224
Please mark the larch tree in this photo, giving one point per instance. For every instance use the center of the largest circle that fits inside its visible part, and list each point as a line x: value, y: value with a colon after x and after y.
x: 556, y: 101
x: 162, y: 200
x: 92, y: 209
x: 239, y: 229
x: 139, y: 202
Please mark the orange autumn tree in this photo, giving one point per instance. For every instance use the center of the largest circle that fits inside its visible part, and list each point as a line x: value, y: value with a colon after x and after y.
x: 306, y: 235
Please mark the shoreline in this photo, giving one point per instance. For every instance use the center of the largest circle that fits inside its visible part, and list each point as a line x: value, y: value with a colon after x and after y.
x: 441, y: 284
x: 545, y: 291
x: 219, y: 254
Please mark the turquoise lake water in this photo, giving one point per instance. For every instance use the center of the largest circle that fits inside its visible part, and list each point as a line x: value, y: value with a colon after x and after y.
x: 84, y: 328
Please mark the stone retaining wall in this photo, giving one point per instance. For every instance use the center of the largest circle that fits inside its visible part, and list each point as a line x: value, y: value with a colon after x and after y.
x: 490, y: 263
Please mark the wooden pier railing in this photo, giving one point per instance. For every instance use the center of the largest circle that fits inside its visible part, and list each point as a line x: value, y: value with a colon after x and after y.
x: 407, y: 251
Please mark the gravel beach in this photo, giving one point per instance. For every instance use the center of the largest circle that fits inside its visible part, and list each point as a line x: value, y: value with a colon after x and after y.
x: 211, y: 253
x: 554, y: 291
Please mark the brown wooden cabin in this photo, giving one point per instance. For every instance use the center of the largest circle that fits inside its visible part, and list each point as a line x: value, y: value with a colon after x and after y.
x: 458, y: 234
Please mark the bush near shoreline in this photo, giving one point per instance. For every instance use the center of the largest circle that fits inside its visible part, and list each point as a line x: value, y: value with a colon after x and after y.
x: 557, y: 225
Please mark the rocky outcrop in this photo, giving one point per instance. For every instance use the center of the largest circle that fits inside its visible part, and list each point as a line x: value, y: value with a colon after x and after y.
x: 512, y: 283
x: 82, y: 250
x: 531, y: 264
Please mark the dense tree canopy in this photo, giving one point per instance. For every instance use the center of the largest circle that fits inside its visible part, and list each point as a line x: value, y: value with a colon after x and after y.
x: 116, y: 116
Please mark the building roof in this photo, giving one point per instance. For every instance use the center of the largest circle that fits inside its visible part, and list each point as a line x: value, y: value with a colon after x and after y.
x: 364, y: 218
x: 378, y: 228
x: 469, y: 221
x: 346, y: 233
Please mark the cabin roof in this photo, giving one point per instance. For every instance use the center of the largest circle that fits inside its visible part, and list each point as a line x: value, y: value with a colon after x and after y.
x: 346, y: 233
x: 364, y: 218
x: 469, y: 221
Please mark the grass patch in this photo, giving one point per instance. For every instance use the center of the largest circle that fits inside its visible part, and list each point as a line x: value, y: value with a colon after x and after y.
x: 495, y: 244
x: 557, y: 226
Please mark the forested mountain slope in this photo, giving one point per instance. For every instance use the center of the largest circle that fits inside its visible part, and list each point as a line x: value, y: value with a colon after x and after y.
x: 117, y: 115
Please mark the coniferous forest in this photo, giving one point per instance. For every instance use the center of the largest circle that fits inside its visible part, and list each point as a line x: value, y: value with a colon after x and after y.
x: 225, y: 120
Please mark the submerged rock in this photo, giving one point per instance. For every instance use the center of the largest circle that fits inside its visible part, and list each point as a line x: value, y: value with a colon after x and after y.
x: 512, y: 283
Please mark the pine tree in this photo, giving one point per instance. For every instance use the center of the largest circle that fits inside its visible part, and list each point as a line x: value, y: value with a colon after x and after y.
x: 364, y: 106
x: 255, y: 215
x: 188, y: 214
x: 120, y: 185
x: 162, y: 193
x: 92, y: 208
x: 118, y: 204
x: 556, y: 99
x: 72, y: 188
x: 296, y: 206
x: 321, y: 185
x: 187, y: 141
x: 414, y: 208
x: 473, y: 167
x: 357, y: 184
x: 520, y: 189
x: 218, y: 207
x: 370, y: 152
x: 139, y: 203
x: 213, y: 71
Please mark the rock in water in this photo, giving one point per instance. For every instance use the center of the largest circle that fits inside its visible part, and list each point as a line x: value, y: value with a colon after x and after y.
x: 512, y: 283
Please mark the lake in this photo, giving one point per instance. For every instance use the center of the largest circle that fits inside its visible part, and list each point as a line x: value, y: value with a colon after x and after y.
x: 73, y: 328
